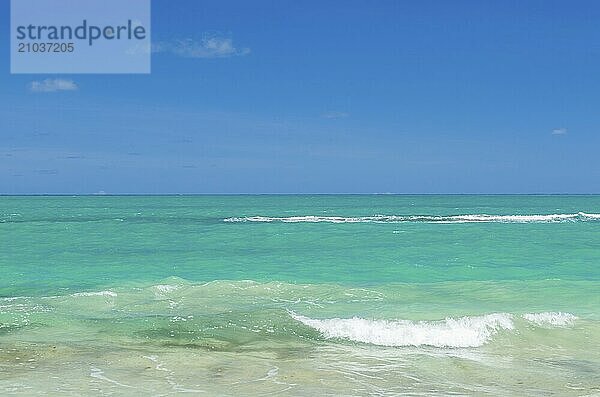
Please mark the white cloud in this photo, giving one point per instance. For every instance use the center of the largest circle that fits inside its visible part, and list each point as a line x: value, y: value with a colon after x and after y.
x: 335, y: 115
x: 559, y: 131
x: 51, y: 85
x: 211, y: 46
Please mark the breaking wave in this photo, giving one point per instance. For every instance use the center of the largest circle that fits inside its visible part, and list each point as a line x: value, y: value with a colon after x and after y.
x: 459, y: 332
x: 99, y: 293
x: 473, y: 218
x: 558, y: 319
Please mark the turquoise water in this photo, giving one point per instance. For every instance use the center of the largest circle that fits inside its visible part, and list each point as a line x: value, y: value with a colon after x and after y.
x: 297, y: 295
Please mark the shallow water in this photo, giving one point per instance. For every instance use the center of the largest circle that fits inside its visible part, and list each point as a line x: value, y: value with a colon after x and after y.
x: 300, y: 295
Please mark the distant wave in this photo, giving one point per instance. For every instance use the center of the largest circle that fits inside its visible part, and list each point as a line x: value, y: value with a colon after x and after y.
x: 99, y: 293
x: 452, y: 332
x: 472, y: 218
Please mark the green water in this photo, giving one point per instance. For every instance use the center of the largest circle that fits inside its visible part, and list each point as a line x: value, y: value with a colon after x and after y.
x: 299, y: 295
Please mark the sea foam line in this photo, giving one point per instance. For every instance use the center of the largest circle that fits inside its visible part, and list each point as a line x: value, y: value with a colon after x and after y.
x: 98, y: 293
x: 468, y: 331
x: 468, y: 218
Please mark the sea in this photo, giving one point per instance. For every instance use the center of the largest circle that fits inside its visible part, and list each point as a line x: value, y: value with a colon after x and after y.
x: 300, y: 295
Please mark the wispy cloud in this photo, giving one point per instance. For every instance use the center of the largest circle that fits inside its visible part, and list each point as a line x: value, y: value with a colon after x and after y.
x: 559, y: 131
x: 52, y: 85
x: 210, y: 46
x: 335, y: 115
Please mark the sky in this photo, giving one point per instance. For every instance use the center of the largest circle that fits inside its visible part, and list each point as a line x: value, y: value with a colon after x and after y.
x: 321, y: 97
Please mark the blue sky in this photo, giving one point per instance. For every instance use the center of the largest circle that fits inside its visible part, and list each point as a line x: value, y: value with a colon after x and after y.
x: 322, y: 97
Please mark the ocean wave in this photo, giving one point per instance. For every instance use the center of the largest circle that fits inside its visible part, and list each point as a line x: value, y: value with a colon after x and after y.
x: 461, y: 332
x: 451, y: 332
x: 163, y: 289
x: 556, y: 319
x: 468, y: 218
x: 99, y: 293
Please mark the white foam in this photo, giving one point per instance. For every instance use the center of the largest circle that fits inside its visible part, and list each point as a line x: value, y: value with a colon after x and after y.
x: 99, y: 293
x: 14, y: 298
x: 306, y: 219
x: 514, y: 218
x: 591, y: 216
x: 451, y: 332
x: 468, y: 218
x: 165, y: 288
x: 99, y: 374
x: 556, y: 319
